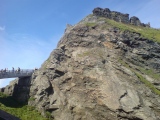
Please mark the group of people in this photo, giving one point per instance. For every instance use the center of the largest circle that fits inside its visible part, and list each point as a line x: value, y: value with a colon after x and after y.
x: 18, y: 70
x: 5, y: 70
x: 13, y: 70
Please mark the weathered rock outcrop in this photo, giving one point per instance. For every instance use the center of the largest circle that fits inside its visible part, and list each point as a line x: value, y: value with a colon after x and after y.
x: 84, y: 79
x: 19, y: 89
x: 119, y: 17
x: 99, y: 74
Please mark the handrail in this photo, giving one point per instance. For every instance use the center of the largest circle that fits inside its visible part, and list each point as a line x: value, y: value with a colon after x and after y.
x: 21, y: 71
x: 16, y: 73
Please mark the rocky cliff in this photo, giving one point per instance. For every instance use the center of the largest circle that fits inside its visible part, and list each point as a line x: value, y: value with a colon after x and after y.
x: 119, y: 17
x: 99, y: 71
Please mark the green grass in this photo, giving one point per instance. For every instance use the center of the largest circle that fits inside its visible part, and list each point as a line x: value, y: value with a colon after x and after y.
x: 3, y: 95
x: 24, y: 112
x: 48, y: 115
x: 145, y: 32
x: 91, y: 24
x: 148, y: 84
x: 31, y: 99
x: 149, y: 33
x: 150, y: 72
x: 83, y: 54
x: 141, y: 78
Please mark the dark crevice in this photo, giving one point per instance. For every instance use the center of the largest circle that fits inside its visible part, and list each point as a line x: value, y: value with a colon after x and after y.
x: 60, y: 73
x: 49, y: 90
x: 123, y: 95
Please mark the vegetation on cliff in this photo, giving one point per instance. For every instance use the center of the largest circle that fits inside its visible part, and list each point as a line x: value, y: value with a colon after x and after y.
x: 143, y: 79
x: 24, y: 112
x: 146, y: 32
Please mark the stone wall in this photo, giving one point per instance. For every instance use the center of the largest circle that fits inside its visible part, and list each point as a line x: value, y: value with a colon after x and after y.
x: 119, y: 17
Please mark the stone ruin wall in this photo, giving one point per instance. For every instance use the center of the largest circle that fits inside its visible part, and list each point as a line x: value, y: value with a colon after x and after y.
x: 119, y: 17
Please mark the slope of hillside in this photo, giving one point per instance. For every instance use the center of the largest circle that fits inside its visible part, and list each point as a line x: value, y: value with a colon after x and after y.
x: 101, y: 70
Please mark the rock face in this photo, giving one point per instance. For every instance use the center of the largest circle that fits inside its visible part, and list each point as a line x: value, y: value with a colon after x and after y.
x: 83, y: 79
x: 98, y: 74
x: 135, y: 21
x: 19, y: 89
x: 119, y: 17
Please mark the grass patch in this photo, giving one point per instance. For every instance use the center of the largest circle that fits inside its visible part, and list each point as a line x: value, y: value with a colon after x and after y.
x: 142, y: 79
x: 48, y: 115
x: 31, y: 99
x: 91, y: 24
x: 151, y: 73
x: 86, y: 53
x: 3, y: 95
x: 149, y: 33
x: 24, y: 112
x: 147, y: 83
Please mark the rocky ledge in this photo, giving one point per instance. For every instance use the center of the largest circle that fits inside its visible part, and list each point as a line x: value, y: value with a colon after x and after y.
x: 119, y: 17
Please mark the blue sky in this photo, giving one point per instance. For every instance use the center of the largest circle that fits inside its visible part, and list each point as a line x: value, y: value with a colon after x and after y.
x: 31, y: 29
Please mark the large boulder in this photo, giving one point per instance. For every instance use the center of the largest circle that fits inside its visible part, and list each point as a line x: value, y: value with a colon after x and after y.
x: 135, y: 21
x: 120, y: 17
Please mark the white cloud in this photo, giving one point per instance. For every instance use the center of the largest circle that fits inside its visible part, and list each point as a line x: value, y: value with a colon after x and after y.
x: 2, y: 28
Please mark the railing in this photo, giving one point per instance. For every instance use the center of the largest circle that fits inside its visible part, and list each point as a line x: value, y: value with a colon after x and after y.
x: 16, y: 73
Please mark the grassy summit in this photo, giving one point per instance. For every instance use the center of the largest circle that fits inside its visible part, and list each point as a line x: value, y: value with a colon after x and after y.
x: 145, y: 32
x: 149, y: 33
